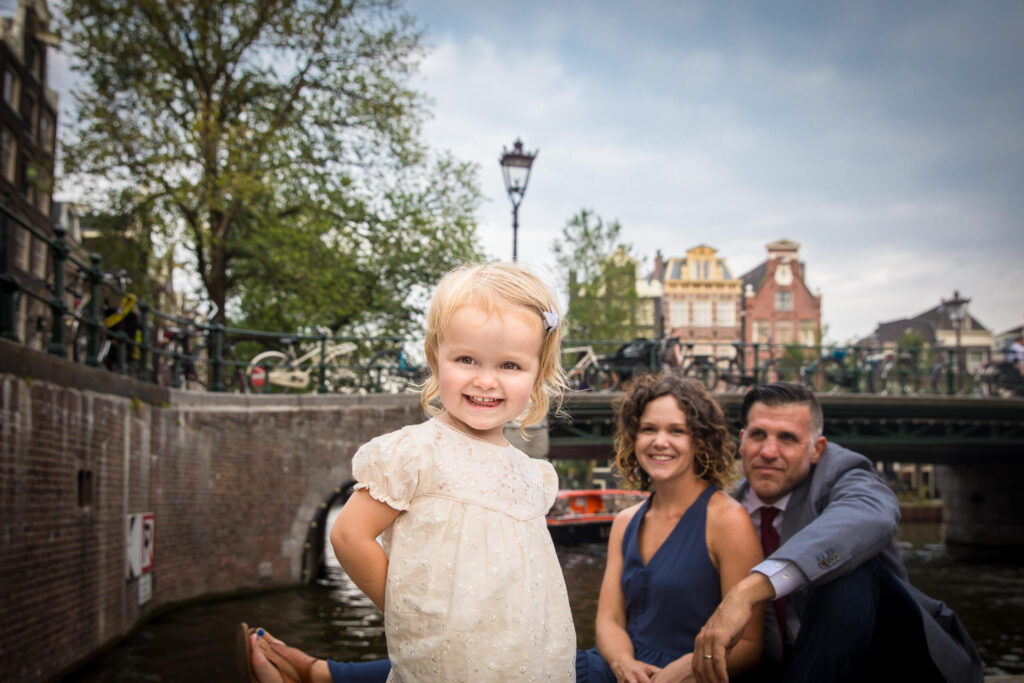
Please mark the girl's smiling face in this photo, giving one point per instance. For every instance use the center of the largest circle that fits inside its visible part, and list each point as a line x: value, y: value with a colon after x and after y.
x: 487, y: 365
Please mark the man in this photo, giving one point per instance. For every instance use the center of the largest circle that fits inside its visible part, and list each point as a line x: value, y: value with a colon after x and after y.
x: 839, y: 604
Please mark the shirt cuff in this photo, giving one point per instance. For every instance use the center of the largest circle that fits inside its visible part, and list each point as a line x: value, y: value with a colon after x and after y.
x: 785, y: 576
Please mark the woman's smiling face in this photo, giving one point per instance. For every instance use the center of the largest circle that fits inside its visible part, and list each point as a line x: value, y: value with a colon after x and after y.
x: 663, y: 446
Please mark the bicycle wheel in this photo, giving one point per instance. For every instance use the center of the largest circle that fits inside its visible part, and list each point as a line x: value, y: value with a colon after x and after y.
x: 899, y: 379
x: 80, y: 344
x: 198, y: 370
x: 704, y: 371
x: 271, y: 362
x: 596, y: 378
x: 730, y: 375
x: 236, y: 379
x: 985, y: 383
x: 873, y: 379
x: 825, y: 376
x: 774, y: 371
x: 342, y: 374
x: 938, y: 380
x: 385, y: 373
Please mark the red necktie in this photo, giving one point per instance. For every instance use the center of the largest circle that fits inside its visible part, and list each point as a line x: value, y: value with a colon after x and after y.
x: 770, y: 543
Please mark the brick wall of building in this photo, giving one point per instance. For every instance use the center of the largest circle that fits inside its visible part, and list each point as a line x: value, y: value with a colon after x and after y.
x: 805, y: 308
x: 234, y: 484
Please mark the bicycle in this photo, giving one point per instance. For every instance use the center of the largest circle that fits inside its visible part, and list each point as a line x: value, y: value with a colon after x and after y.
x: 195, y: 365
x: 874, y: 365
x: 732, y: 370
x: 899, y: 376
x: 631, y: 359
x: 999, y: 378
x: 589, y: 373
x: 391, y: 371
x: 174, y: 344
x: 120, y: 327
x: 831, y: 373
x: 944, y: 377
x: 701, y: 367
x: 289, y: 370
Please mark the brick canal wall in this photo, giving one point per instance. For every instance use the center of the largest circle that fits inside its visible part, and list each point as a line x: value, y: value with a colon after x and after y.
x: 236, y: 486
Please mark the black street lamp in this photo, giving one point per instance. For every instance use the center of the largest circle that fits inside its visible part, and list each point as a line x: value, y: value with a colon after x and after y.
x: 956, y: 309
x: 515, y: 168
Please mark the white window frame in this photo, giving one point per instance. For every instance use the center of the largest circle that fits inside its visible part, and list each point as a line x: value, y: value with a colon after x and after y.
x: 702, y: 314
x: 725, y: 313
x: 784, y: 332
x: 762, y: 332
x: 678, y: 313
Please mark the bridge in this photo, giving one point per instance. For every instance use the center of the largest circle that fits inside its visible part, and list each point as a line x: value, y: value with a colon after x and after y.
x: 238, y: 487
x: 975, y: 444
x: 940, y: 430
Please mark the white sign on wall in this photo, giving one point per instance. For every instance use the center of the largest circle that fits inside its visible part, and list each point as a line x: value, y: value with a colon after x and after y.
x: 139, y: 528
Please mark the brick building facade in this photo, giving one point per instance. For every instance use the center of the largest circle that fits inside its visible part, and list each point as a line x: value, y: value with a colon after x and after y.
x: 778, y: 306
x: 28, y: 141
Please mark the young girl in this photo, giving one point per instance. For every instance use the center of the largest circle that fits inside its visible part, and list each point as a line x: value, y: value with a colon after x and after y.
x: 466, y: 573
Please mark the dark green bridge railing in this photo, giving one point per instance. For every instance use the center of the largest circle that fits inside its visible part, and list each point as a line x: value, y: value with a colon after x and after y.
x: 917, y: 429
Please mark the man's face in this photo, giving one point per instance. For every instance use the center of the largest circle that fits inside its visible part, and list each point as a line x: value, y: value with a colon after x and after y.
x: 778, y: 448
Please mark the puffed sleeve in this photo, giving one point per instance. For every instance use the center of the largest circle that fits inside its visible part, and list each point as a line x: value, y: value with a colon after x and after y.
x: 389, y: 467
x: 550, y: 477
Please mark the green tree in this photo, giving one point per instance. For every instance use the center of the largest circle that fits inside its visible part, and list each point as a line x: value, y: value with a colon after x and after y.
x: 126, y: 242
x: 912, y: 342
x: 279, y: 142
x: 600, y: 277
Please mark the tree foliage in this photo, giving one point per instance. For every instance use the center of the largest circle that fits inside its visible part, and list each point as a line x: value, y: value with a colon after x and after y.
x: 126, y: 241
x: 600, y: 278
x: 279, y: 142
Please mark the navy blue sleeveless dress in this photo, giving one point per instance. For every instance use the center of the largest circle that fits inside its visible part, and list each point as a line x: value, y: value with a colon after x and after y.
x: 667, y: 601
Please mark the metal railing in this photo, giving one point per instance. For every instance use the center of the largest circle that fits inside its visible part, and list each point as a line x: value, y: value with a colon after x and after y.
x: 83, y: 323
x: 608, y: 365
x: 136, y: 340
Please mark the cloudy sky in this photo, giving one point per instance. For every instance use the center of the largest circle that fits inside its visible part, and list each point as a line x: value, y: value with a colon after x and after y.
x: 886, y: 138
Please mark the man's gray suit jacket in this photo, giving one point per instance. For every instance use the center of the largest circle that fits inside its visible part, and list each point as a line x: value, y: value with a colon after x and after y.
x: 842, y: 515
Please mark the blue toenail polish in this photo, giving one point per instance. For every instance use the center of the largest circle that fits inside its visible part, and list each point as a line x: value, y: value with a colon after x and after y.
x: 259, y: 633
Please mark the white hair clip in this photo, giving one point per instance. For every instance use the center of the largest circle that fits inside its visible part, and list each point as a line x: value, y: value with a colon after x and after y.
x: 550, y: 320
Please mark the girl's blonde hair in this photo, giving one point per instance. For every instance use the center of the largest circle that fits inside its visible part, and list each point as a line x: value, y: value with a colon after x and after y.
x: 489, y: 287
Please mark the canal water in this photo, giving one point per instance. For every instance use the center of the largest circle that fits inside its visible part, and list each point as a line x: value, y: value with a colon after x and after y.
x: 195, y: 644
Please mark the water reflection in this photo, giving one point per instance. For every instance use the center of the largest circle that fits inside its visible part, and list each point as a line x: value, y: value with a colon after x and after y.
x: 333, y: 618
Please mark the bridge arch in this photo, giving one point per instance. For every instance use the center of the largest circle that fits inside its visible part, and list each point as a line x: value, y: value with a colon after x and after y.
x: 314, y: 546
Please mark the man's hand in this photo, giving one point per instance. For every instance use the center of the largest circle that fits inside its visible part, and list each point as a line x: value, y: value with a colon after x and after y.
x: 724, y: 628
x: 633, y: 671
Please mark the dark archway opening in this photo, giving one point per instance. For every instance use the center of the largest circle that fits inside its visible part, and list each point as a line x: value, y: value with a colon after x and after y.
x: 317, y: 554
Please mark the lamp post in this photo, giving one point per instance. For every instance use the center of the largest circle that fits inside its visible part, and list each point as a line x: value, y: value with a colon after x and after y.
x: 957, y: 311
x: 515, y: 168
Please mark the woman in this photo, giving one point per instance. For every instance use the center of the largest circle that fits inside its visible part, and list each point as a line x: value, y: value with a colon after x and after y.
x: 672, y: 557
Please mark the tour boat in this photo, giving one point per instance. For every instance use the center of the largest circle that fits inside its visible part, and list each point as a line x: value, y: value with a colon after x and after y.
x: 587, y: 515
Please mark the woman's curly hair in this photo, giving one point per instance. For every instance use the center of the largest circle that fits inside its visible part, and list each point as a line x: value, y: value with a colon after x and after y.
x: 713, y: 450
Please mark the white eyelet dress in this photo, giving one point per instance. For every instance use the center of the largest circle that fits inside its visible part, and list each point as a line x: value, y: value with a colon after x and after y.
x: 474, y: 589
